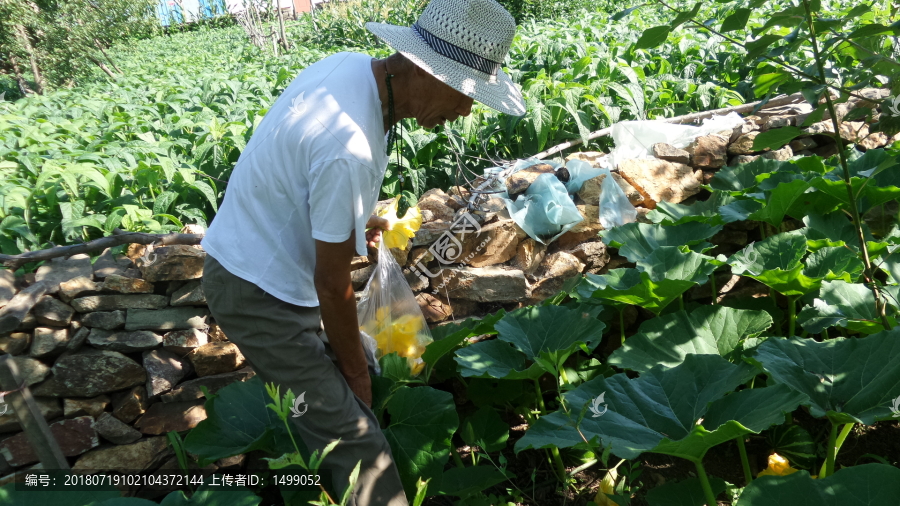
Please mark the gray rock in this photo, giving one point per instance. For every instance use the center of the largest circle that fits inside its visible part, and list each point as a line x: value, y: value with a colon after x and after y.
x: 481, y: 284
x: 114, y: 430
x: 126, y: 341
x: 77, y: 287
x: 90, y: 372
x: 553, y: 273
x: 48, y: 406
x: 163, y: 417
x: 107, y: 320
x: 742, y: 159
x: 172, y: 318
x: 670, y: 153
x: 594, y: 255
x: 113, y: 302
x: 7, y: 286
x: 174, y: 263
x: 144, y: 454
x: 30, y: 369
x: 53, y: 312
x: 783, y: 154
x: 803, y: 143
x: 191, y: 294
x: 743, y: 145
x: 216, y: 358
x: 59, y: 270
x: 15, y: 314
x: 182, y: 342
x: 777, y: 122
x: 416, y: 283
x: 74, y: 437
x: 429, y: 232
x: 131, y: 404
x: 15, y: 343
x: 48, y: 341
x: 85, y: 407
x: 121, y: 284
x: 360, y: 277
x: 709, y: 151
x: 190, y: 390
x: 78, y: 339
x: 107, y: 264
x: 164, y: 370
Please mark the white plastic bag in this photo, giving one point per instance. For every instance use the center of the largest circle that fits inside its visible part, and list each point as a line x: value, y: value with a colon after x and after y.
x: 389, y: 316
x: 615, y: 209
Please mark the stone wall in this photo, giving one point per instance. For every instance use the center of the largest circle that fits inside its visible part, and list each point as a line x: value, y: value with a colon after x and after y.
x: 115, y: 356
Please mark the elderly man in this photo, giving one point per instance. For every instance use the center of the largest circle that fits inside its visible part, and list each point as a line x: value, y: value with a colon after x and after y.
x: 298, y: 208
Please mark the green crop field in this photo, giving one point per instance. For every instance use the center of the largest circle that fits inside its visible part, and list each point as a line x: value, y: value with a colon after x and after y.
x: 506, y: 411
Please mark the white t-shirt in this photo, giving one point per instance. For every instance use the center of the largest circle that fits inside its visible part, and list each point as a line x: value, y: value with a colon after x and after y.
x: 312, y: 170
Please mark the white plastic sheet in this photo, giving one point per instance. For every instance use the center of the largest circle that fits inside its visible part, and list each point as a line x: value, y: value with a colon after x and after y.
x: 634, y: 139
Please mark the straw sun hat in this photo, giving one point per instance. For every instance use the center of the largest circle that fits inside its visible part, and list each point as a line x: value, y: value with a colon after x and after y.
x: 462, y: 43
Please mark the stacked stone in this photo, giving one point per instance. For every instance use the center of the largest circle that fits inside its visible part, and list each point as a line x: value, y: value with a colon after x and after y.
x: 502, y: 267
x: 115, y: 357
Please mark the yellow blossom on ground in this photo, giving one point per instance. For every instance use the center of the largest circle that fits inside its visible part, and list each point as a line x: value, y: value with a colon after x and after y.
x: 607, y: 488
x: 778, y: 466
x: 400, y: 230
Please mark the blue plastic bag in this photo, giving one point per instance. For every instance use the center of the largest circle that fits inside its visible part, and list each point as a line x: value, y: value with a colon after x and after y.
x: 545, y: 211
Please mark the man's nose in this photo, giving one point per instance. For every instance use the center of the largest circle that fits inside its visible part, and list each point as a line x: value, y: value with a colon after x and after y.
x: 465, y: 108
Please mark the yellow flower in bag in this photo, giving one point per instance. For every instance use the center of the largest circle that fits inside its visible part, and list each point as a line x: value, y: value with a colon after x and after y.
x: 401, y: 336
x: 400, y: 231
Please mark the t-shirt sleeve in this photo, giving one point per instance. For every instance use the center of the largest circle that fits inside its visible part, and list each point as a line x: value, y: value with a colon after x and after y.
x: 339, y: 195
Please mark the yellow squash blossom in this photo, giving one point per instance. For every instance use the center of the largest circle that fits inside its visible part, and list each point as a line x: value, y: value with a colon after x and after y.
x: 778, y: 466
x: 400, y: 230
x: 607, y: 488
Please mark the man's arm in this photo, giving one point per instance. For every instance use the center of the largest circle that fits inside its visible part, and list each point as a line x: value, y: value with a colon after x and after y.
x: 338, y: 306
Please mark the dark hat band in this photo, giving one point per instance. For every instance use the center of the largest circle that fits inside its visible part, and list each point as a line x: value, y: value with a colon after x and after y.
x: 457, y: 53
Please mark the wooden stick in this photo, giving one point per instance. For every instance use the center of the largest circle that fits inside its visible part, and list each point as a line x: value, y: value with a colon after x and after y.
x: 119, y: 237
x: 12, y: 314
x: 688, y: 118
x: 30, y: 418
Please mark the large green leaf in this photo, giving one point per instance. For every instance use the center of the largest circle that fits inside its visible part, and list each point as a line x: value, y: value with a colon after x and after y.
x: 238, y: 421
x: 706, y: 211
x: 658, y: 279
x: 863, y: 485
x: 208, y: 496
x: 661, y: 410
x: 637, y: 241
x: 486, y: 429
x: 741, y: 178
x: 423, y: 421
x: 545, y: 335
x: 652, y: 37
x: 687, y: 492
x: 849, y: 380
x: 450, y: 335
x: 466, y: 481
x: 667, y: 339
x: 849, y: 305
x: 775, y: 138
x: 9, y: 495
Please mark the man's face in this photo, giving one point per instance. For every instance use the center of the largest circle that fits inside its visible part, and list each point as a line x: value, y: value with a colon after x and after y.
x: 438, y: 103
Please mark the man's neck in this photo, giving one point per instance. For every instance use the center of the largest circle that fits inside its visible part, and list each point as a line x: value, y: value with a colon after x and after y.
x: 380, y: 70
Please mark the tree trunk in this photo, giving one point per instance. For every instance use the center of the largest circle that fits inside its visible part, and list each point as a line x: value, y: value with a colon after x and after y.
x: 35, y: 69
x: 284, y: 42
x: 103, y: 67
x: 100, y: 47
x: 20, y: 80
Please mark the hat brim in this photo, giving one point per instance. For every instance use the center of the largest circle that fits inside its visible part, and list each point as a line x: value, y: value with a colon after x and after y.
x: 500, y: 93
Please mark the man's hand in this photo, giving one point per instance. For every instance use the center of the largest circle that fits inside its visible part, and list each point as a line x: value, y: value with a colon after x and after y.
x: 374, y: 227
x: 338, y: 306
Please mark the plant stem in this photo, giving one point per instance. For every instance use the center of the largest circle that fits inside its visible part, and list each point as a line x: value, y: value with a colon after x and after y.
x: 554, y: 451
x: 745, y: 462
x: 792, y: 316
x: 681, y: 302
x: 456, y: 459
x: 845, y: 431
x: 563, y: 375
x: 704, y: 482
x: 715, y: 291
x: 831, y: 452
x: 622, y: 324
x: 854, y: 209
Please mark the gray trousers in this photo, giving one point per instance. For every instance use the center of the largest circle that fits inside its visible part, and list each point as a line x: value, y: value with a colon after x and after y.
x: 285, y: 345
